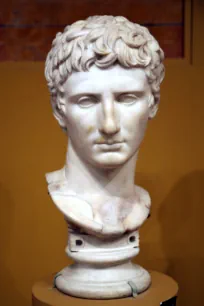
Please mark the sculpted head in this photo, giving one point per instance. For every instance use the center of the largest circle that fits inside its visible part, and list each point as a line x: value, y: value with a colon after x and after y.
x: 104, y: 76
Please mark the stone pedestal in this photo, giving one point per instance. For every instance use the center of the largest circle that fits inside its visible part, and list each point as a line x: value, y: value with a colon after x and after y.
x: 163, y: 291
x: 102, y: 268
x: 93, y: 282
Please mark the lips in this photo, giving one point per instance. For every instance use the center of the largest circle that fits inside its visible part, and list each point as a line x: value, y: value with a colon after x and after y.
x: 109, y: 142
x: 110, y: 146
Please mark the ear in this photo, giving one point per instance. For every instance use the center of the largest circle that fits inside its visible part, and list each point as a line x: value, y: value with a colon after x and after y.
x: 153, y: 110
x: 153, y: 106
x: 59, y: 110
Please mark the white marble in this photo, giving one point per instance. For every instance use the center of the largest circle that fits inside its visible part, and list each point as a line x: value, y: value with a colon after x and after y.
x: 104, y: 76
x: 90, y: 281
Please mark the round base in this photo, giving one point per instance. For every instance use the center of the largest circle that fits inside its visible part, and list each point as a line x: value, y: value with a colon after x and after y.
x: 92, y: 282
x: 162, y: 289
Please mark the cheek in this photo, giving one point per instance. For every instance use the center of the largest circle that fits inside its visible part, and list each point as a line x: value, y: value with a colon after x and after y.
x: 79, y: 124
x: 137, y: 119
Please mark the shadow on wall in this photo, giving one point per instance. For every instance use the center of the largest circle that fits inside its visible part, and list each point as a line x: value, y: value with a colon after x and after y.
x: 9, y: 294
x: 172, y: 239
x: 182, y: 226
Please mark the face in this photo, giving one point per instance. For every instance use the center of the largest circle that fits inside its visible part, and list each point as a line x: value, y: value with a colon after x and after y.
x: 106, y: 113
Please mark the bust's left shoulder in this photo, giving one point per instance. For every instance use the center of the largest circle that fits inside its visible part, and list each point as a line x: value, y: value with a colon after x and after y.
x: 143, y: 195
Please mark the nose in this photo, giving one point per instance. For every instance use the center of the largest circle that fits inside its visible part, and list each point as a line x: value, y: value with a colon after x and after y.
x: 109, y: 122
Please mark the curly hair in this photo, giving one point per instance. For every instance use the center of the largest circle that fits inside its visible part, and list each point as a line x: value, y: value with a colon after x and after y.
x: 103, y: 41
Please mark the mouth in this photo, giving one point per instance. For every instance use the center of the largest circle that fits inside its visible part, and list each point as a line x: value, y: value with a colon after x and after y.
x: 108, y: 141
x: 113, y: 146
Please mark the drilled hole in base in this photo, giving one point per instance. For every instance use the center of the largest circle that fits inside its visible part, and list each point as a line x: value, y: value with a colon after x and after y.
x: 79, y: 242
x: 132, y: 238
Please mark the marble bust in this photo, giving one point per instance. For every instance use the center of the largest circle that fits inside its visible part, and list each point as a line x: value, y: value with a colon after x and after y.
x: 104, y: 76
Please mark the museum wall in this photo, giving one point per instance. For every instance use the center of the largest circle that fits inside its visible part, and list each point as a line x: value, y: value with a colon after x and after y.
x: 170, y: 166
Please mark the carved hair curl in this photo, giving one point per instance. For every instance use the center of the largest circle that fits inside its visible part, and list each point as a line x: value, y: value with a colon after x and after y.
x: 103, y: 41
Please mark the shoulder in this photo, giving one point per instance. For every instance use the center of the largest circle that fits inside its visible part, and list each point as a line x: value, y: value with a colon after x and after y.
x: 56, y: 181
x: 55, y: 176
x: 143, y: 195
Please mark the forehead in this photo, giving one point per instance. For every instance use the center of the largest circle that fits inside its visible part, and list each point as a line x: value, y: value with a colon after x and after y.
x: 115, y: 78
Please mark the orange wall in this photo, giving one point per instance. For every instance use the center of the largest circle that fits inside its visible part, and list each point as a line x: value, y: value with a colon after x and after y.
x: 171, y: 167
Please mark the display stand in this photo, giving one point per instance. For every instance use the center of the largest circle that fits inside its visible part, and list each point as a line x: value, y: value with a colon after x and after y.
x: 163, y: 291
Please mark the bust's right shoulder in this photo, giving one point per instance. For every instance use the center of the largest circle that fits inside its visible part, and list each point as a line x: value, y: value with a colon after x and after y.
x: 55, y: 176
x: 56, y: 181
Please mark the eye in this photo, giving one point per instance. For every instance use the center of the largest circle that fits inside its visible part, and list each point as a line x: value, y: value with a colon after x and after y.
x: 87, y: 101
x: 127, y: 98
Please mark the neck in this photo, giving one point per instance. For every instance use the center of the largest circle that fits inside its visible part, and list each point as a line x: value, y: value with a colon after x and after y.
x: 84, y: 178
